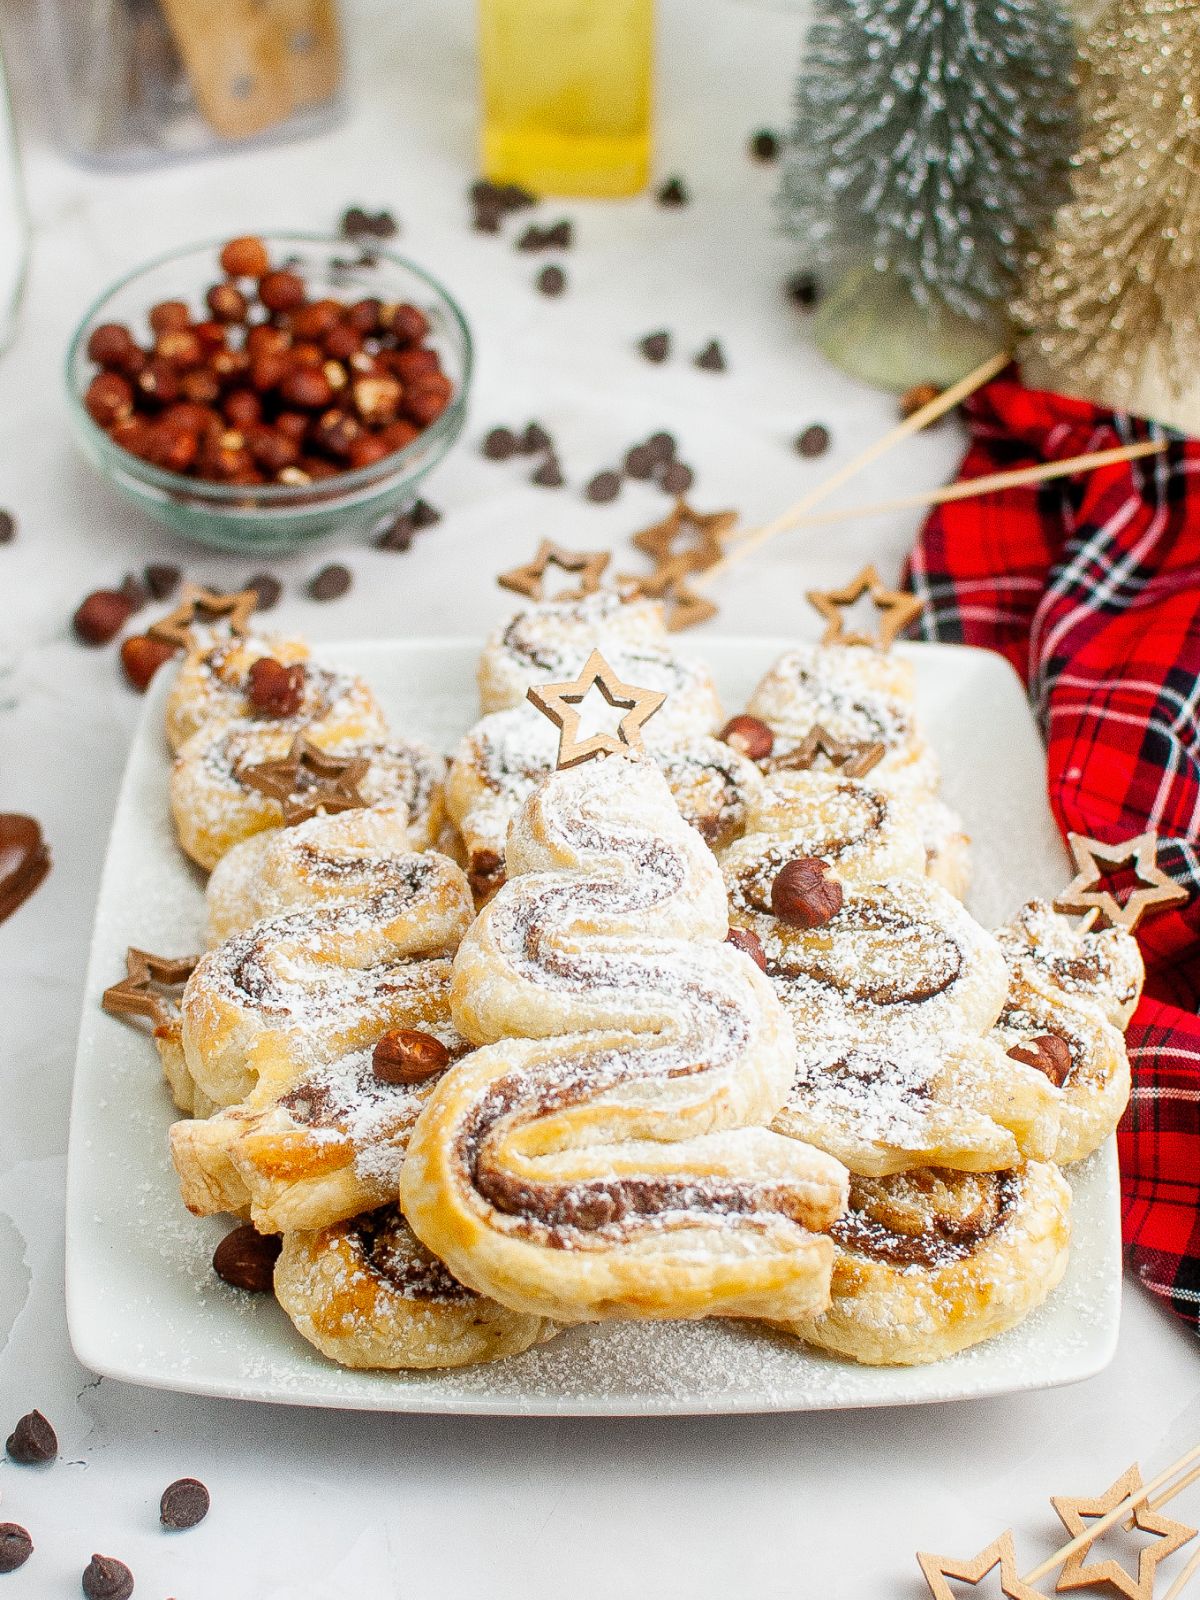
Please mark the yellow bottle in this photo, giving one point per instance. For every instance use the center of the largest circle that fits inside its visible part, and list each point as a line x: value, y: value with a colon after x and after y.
x: 566, y: 94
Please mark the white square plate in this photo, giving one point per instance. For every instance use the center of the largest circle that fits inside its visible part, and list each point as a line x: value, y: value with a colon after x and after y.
x: 144, y: 1306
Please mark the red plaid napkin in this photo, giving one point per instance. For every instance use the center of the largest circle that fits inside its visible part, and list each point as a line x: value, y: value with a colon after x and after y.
x: 1091, y: 587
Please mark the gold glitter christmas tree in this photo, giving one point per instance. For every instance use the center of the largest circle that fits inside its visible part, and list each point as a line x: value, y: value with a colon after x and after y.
x: 1112, y: 304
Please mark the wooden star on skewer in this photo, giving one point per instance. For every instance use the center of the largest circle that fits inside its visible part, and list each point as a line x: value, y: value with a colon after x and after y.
x: 896, y: 610
x: 699, y: 536
x: 560, y: 702
x: 1095, y: 860
x: 1079, y: 1573
x: 1000, y: 1553
x: 198, y: 604
x: 530, y: 580
x: 682, y: 606
x: 144, y: 990
x: 852, y: 758
x: 308, y: 780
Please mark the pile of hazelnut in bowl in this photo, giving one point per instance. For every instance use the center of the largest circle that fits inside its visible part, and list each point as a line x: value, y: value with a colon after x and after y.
x: 261, y: 392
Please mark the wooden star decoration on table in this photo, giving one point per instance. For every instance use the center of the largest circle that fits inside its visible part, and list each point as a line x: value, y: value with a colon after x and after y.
x: 682, y: 606
x: 697, y: 536
x: 1000, y: 1553
x: 530, y: 580
x: 561, y: 702
x: 854, y: 759
x: 308, y: 780
x: 1079, y: 1573
x: 1095, y: 860
x: 144, y: 991
x: 896, y: 610
x: 198, y: 604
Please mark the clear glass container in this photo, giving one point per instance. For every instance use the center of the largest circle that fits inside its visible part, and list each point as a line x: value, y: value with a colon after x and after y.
x: 136, y: 82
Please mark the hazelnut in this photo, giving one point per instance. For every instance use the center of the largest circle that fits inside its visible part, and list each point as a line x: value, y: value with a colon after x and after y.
x: 343, y: 342
x: 134, y: 434
x: 230, y: 365
x: 364, y: 316
x: 226, y: 302
x: 245, y: 1259
x: 406, y: 1055
x: 398, y: 435
x: 1049, y: 1053
x: 366, y: 450
x: 170, y: 316
x: 273, y: 689
x: 293, y: 425
x: 335, y: 431
x: 306, y: 387
x: 158, y: 381
x: 112, y: 345
x: 750, y: 736
x: 102, y: 616
x: 377, y: 400
x: 212, y: 335
x: 241, y: 407
x: 272, y: 450
x: 245, y: 257
x: 174, y: 449
x: 305, y: 353
x: 202, y: 386
x: 419, y: 362
x: 108, y: 399
x: 747, y: 940
x: 405, y: 322
x: 335, y: 375
x: 181, y: 348
x: 316, y: 320
x: 424, y: 402
x: 268, y: 371
x: 281, y: 291
x: 804, y: 895
x: 141, y: 657
x: 265, y: 339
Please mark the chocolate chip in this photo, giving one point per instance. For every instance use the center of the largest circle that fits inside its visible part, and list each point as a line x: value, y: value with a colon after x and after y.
x: 354, y: 222
x: 535, y: 439
x: 549, y: 475
x: 268, y: 589
x: 814, y: 441
x: 500, y: 444
x: 676, y: 478
x: 603, y: 487
x: 331, y: 583
x: 134, y: 591
x: 803, y: 290
x: 641, y: 462
x: 184, y: 1503
x: 106, y: 1578
x: 673, y: 193
x: 711, y: 358
x: 559, y: 235
x: 514, y: 196
x: 663, y: 445
x: 33, y: 1441
x: 764, y: 146
x: 656, y: 347
x: 8, y: 527
x: 161, y: 578
x: 486, y: 218
x: 424, y: 515
x: 534, y: 238
x: 245, y: 1259
x: 395, y: 533
x: 384, y: 225
x: 16, y: 1546
x: 552, y: 281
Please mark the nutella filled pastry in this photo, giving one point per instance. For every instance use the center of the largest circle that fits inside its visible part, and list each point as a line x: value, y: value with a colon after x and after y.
x: 1100, y: 971
x: 270, y: 679
x: 368, y: 1294
x: 932, y: 1261
x: 606, y: 1154
x: 219, y: 796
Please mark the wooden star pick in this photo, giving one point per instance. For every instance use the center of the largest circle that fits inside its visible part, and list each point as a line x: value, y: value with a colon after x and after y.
x: 559, y: 702
x: 698, y: 536
x: 307, y: 780
x: 1094, y: 860
x: 530, y: 580
x: 1078, y: 1573
x: 999, y: 1553
x: 142, y: 992
x: 896, y: 610
x: 854, y: 759
x: 204, y: 605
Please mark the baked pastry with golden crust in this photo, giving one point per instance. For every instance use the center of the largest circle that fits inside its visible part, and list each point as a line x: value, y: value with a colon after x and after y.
x: 212, y: 683
x: 367, y: 1293
x: 1102, y: 971
x: 862, y: 833
x: 605, y: 1154
x: 933, y: 1261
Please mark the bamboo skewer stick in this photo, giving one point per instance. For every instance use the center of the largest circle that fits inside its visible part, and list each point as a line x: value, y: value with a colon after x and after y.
x: 1184, y: 1578
x: 946, y: 401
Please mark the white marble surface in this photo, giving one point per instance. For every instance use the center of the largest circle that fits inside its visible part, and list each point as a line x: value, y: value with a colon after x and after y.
x: 317, y: 1505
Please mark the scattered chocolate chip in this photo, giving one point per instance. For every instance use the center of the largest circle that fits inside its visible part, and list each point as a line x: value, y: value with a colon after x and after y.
x: 552, y: 281
x: 656, y: 347
x: 268, y: 589
x: 711, y: 358
x: 535, y: 439
x: 549, y: 475
x: 673, y: 193
x: 746, y: 940
x: 641, y: 462
x: 559, y: 235
x: 331, y: 583
x: 184, y: 1503
x: 764, y: 146
x: 245, y: 1259
x: 603, y: 487
x: 359, y: 224
x: 354, y: 222
x: 500, y: 444
x: 161, y: 579
x: 814, y: 441
x: 533, y: 238
x: 424, y: 515
x: 676, y: 477
x: 134, y: 591
x: 16, y: 1546
x: 663, y: 445
x: 396, y: 533
x: 33, y: 1441
x: 803, y: 290
x: 106, y: 1578
x: 8, y: 527
x: 486, y: 218
x: 385, y: 225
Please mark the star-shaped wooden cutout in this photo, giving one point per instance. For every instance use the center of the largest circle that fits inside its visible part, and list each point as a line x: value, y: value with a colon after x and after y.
x: 307, y: 780
x: 896, y: 610
x: 999, y: 1553
x: 1095, y: 860
x: 1079, y: 1573
x: 560, y: 702
x: 682, y: 606
x: 852, y: 758
x: 530, y: 580
x: 198, y: 604
x: 697, y: 536
x: 144, y: 990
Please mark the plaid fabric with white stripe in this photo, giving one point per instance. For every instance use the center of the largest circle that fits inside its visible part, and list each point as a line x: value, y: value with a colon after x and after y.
x: 1090, y: 586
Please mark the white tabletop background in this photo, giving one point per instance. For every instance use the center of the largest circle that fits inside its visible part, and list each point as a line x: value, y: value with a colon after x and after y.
x: 318, y: 1504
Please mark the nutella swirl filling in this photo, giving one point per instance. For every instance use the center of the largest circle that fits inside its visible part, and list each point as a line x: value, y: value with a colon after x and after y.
x: 925, y: 1219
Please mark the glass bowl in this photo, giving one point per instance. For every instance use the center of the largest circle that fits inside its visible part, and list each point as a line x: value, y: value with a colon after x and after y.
x: 275, y: 518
